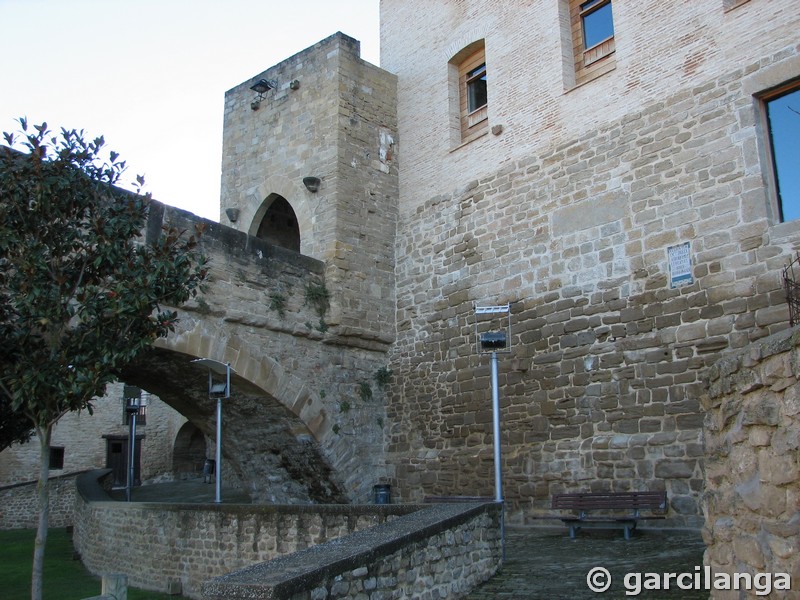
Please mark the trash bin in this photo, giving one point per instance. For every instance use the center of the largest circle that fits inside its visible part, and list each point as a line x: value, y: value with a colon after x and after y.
x: 208, y: 470
x: 382, y: 493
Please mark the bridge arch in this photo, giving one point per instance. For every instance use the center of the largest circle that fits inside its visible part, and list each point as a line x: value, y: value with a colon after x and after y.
x: 272, y: 424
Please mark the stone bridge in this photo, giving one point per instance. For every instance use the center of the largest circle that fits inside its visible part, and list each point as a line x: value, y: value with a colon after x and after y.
x: 306, y: 415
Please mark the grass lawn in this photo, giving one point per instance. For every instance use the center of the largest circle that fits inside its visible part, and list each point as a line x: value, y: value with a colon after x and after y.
x: 64, y: 578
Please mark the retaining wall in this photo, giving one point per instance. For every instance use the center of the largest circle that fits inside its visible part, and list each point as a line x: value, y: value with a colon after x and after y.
x: 752, y: 467
x: 159, y: 546
x: 442, y: 551
x: 19, y: 503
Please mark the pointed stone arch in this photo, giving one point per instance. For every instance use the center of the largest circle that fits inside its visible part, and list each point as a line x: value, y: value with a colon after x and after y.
x: 278, y: 225
x: 295, y: 194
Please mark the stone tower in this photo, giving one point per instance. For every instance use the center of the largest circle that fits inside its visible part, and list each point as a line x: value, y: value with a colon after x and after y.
x: 329, y: 115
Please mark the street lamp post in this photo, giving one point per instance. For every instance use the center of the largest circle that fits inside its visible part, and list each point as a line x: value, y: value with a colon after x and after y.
x: 217, y: 390
x: 493, y: 335
x: 131, y: 396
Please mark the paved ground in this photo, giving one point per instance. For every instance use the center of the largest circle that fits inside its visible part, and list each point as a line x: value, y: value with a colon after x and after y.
x: 193, y: 492
x: 541, y: 564
x: 547, y: 565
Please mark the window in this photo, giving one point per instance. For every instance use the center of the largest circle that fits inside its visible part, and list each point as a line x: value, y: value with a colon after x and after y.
x: 592, y: 38
x: 473, y: 94
x: 56, y: 457
x: 783, y: 124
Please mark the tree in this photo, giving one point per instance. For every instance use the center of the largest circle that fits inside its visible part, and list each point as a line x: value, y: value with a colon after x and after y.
x: 15, y: 427
x: 81, y: 293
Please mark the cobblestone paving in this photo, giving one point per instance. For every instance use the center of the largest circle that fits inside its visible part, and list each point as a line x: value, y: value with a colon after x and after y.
x: 546, y: 564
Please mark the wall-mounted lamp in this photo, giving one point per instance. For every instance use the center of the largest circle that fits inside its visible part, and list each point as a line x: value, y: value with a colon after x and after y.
x: 261, y: 87
x: 312, y: 184
x: 233, y: 214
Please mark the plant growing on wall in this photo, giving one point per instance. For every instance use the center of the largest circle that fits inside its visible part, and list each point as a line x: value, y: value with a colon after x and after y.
x: 277, y: 302
x: 365, y: 391
x: 81, y: 294
x: 318, y: 297
x: 382, y: 377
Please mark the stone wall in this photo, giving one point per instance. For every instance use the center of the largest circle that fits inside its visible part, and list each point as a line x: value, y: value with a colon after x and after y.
x: 752, y: 470
x: 83, y: 437
x: 332, y: 116
x: 570, y: 215
x: 156, y: 545
x: 437, y: 552
x: 298, y: 426
x: 19, y: 503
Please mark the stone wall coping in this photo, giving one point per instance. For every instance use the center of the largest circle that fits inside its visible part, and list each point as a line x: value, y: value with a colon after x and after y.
x: 232, y: 241
x: 302, y: 570
x: 50, y: 478
x: 91, y: 491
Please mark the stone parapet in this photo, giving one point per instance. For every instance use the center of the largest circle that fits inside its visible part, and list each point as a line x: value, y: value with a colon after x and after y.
x: 752, y: 468
x: 440, y: 551
x: 19, y: 503
x: 158, y: 545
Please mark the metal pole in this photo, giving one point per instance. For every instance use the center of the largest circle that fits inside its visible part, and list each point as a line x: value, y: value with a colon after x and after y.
x: 498, y: 483
x: 218, y: 455
x: 498, y: 479
x: 131, y: 457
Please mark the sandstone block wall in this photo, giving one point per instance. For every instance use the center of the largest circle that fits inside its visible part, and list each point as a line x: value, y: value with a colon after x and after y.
x: 570, y: 213
x: 82, y: 435
x: 752, y: 470
x: 155, y: 544
x: 447, y: 565
x: 300, y: 425
x: 436, y: 552
x: 19, y: 504
x: 337, y: 123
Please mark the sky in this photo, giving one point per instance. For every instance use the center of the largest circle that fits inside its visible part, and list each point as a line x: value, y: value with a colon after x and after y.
x: 150, y: 76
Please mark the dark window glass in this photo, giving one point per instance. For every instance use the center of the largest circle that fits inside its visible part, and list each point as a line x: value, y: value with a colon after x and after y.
x: 56, y: 458
x: 598, y: 23
x: 784, y: 132
x: 476, y: 88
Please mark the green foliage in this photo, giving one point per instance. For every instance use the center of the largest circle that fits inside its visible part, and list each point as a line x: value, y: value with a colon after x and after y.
x: 80, y: 293
x: 336, y: 429
x: 382, y: 377
x: 277, y: 302
x: 344, y: 406
x: 365, y: 391
x: 318, y: 297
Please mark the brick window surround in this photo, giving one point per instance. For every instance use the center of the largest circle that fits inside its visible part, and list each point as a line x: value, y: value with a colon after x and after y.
x: 469, y: 105
x: 593, y: 43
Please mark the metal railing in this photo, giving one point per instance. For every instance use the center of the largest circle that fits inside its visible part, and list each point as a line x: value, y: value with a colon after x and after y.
x: 791, y: 273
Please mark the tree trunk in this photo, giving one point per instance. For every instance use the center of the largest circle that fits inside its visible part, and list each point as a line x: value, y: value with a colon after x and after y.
x: 37, y: 576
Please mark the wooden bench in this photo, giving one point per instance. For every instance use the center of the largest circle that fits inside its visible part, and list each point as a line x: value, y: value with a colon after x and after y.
x: 609, y: 505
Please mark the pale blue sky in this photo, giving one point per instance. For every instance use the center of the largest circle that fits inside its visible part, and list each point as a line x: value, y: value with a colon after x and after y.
x: 150, y: 75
